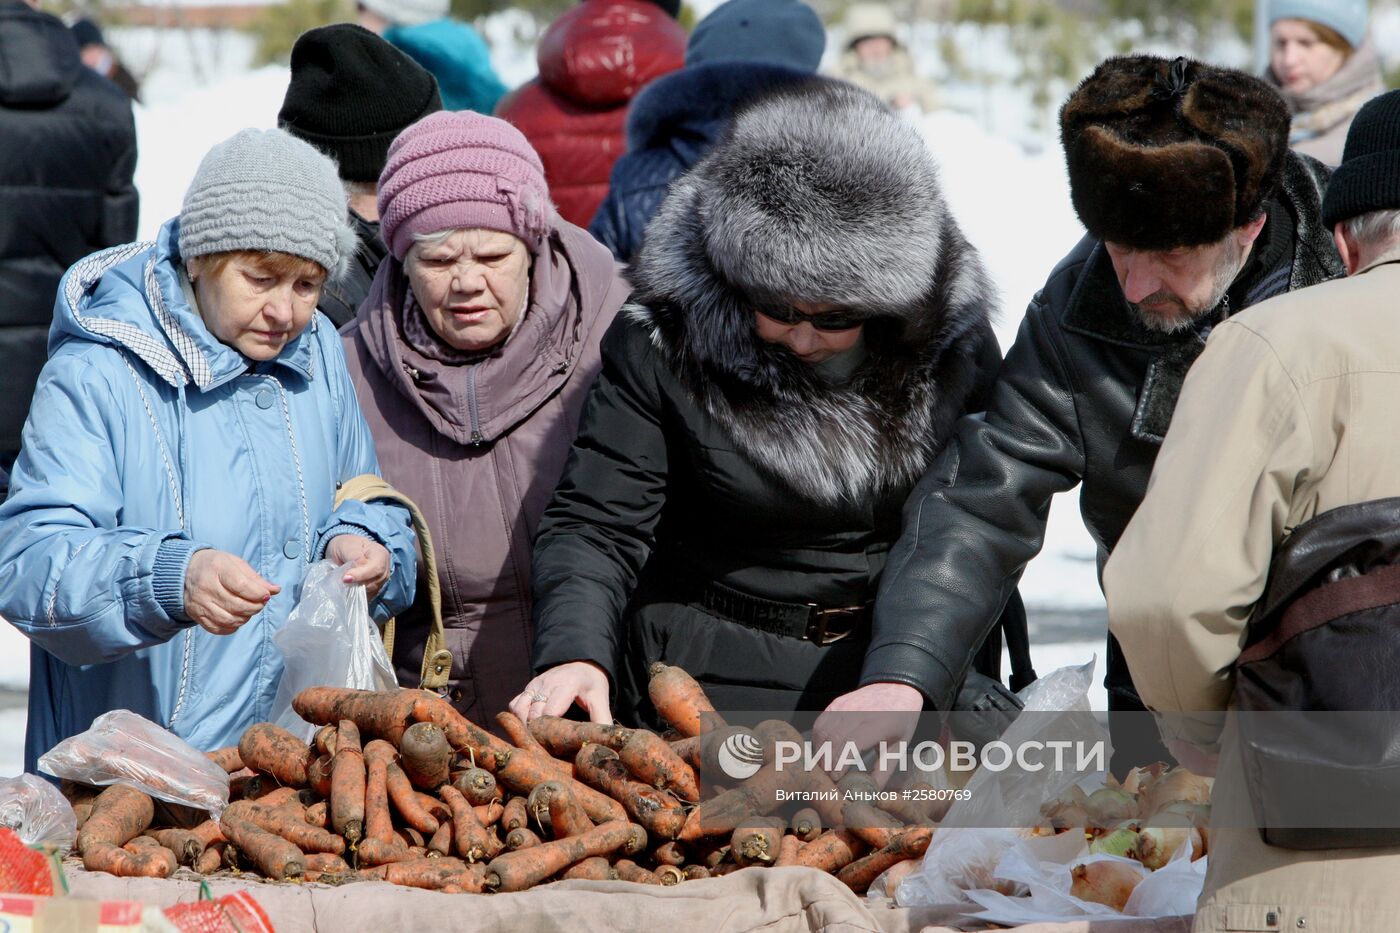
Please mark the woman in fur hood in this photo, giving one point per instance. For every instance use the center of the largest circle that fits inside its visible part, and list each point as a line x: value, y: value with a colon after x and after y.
x: 807, y: 324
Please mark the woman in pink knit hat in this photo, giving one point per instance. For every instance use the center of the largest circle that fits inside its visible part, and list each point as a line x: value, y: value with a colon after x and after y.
x: 472, y: 356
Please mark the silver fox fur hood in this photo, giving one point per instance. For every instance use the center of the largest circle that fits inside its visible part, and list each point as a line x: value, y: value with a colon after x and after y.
x: 819, y: 194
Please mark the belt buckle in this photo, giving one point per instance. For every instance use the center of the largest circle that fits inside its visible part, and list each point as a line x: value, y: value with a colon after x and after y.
x: 818, y: 619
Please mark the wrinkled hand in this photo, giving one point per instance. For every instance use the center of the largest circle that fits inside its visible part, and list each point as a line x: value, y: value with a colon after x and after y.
x: 1192, y: 758
x: 222, y: 591
x: 366, y: 561
x: 867, y: 716
x: 578, y: 681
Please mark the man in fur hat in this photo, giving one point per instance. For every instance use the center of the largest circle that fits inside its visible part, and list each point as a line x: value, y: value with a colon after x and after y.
x: 1195, y: 209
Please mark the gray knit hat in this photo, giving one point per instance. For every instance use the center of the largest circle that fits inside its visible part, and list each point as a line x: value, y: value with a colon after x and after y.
x: 267, y: 190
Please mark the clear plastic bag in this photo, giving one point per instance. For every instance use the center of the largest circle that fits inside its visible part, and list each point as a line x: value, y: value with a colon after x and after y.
x: 37, y: 812
x: 328, y: 641
x: 124, y: 748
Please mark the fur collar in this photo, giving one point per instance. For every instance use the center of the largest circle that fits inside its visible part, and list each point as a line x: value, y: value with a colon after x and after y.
x: 762, y: 217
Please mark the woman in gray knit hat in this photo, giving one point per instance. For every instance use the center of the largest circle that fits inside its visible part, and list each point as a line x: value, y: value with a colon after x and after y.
x: 181, y: 459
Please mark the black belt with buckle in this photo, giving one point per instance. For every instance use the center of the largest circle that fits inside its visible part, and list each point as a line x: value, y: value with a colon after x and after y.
x: 795, y: 620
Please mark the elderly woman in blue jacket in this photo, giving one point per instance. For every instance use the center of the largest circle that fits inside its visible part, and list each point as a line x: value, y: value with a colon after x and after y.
x: 182, y: 455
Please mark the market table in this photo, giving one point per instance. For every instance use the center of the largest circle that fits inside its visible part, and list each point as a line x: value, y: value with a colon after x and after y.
x: 777, y: 900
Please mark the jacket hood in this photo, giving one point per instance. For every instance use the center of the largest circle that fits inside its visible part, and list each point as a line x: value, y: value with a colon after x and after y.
x: 478, y: 402
x: 768, y: 216
x: 701, y: 99
x: 600, y: 53
x: 39, y: 63
x: 131, y: 297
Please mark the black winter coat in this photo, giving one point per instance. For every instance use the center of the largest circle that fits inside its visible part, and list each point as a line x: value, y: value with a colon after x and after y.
x: 66, y: 163
x: 341, y: 300
x: 1085, y: 395
x: 671, y: 124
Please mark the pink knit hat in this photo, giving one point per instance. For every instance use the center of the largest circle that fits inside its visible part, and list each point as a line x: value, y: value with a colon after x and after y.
x: 453, y: 170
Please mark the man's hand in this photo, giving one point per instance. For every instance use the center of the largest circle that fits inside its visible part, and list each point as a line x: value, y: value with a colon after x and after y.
x: 222, y: 591
x: 365, y: 560
x: 867, y: 716
x: 554, y: 691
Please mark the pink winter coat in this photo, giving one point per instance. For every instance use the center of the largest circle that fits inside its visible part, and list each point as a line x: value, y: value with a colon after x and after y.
x: 479, y: 447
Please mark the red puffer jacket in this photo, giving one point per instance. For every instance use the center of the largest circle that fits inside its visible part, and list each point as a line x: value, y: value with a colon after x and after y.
x: 593, y: 59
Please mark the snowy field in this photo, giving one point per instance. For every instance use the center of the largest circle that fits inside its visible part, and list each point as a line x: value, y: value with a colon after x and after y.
x: 1011, y: 200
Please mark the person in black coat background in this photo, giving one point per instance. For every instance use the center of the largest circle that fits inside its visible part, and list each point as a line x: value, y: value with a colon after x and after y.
x: 742, y: 50
x: 807, y: 324
x: 66, y: 190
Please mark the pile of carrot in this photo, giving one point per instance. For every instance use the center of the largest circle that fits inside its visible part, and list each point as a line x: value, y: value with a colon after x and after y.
x: 398, y: 786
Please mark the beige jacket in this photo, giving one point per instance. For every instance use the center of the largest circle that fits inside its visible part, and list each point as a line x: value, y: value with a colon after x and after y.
x: 1290, y: 411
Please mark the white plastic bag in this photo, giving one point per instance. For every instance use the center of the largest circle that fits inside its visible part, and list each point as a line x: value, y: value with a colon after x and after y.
x: 328, y: 641
x: 124, y: 748
x: 37, y: 812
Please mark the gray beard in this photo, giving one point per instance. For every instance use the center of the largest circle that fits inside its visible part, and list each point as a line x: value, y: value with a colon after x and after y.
x: 1224, y: 278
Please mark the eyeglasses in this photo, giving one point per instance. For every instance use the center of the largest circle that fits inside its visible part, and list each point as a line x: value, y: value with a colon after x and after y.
x: 826, y: 320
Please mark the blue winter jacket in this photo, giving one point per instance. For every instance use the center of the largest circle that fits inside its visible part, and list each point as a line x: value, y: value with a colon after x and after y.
x: 671, y: 125
x: 457, y: 57
x: 147, y: 440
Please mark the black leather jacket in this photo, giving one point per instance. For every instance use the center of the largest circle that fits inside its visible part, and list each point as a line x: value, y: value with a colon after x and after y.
x: 1084, y: 397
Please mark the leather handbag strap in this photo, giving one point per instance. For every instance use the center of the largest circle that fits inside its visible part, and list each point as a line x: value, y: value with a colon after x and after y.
x: 437, y: 660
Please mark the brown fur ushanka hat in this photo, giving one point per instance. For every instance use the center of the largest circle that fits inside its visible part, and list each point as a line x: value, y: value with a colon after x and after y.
x: 1164, y: 153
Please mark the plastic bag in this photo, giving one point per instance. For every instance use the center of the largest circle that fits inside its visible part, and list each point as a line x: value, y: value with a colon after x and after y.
x: 328, y: 641
x: 24, y: 870
x: 966, y: 859
x: 37, y: 811
x: 124, y: 748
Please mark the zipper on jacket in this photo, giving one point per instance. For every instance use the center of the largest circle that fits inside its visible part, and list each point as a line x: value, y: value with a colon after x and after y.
x: 477, y: 438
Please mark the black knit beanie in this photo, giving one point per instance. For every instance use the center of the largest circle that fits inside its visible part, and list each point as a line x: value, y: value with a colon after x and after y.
x: 1369, y: 177
x: 351, y: 94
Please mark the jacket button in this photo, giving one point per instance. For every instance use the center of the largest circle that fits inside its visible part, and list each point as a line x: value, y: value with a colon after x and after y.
x: 292, y: 549
x: 264, y: 398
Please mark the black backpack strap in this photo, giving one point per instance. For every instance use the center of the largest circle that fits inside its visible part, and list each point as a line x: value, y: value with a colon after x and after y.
x: 1018, y: 642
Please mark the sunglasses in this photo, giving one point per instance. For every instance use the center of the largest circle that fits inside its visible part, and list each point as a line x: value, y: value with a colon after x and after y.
x: 827, y: 320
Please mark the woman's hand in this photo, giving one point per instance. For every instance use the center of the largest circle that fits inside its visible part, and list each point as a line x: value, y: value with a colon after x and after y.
x: 366, y: 561
x: 878, y: 712
x: 222, y: 591
x: 554, y: 691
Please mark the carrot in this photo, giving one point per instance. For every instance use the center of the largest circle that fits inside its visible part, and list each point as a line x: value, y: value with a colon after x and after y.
x: 628, y: 870
x: 378, y: 823
x: 788, y: 847
x: 324, y: 741
x: 516, y: 732
x: 437, y: 874
x: 679, y: 699
x: 119, y: 814
x: 469, y: 834
x: 654, y: 762
x: 831, y: 851
x: 411, y: 837
x: 186, y: 845
x: 405, y: 800
x: 208, y: 833
x: 515, y: 814
x: 806, y: 824
x: 435, y: 807
x: 377, y: 714
x: 250, y: 786
x: 227, y: 758
x: 521, y: 839
x: 158, y: 862
x: 876, y: 828
x: 489, y: 815
x: 477, y: 785
x: 288, y: 823
x: 689, y: 750
x: 591, y: 869
x: 325, y: 862
x: 562, y: 737
x: 318, y: 814
x: 210, y: 860
x: 462, y: 734
x: 658, y: 812
x: 282, y: 796
x: 372, y: 851
x: 755, y: 842
x: 318, y: 775
x: 670, y: 875
x: 272, y: 855
x: 670, y: 853
x: 696, y: 872
x: 273, y: 750
x: 516, y: 871
x: 441, y: 843
x: 860, y: 874
x: 565, y: 816
x: 717, y: 855
x: 426, y: 756
x: 522, y: 772
x: 347, y: 781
